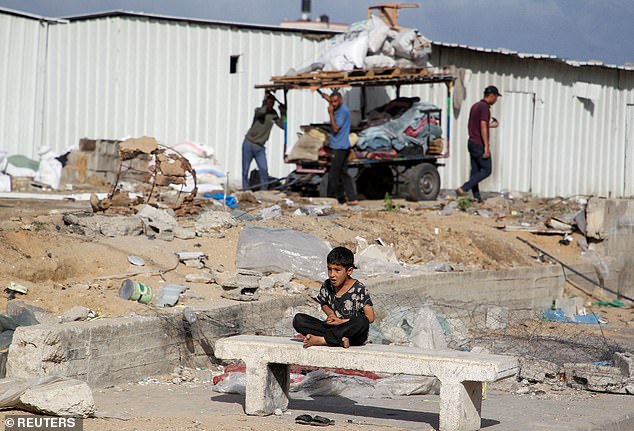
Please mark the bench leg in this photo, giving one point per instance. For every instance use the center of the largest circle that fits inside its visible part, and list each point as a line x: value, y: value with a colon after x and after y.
x: 266, y: 389
x: 460, y: 406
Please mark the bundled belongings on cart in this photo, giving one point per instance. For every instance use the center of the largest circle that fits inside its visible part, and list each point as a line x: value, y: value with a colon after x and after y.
x: 415, y: 127
x: 403, y: 126
x: 372, y: 44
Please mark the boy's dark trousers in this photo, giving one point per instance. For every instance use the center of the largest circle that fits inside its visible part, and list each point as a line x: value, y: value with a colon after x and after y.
x: 356, y: 329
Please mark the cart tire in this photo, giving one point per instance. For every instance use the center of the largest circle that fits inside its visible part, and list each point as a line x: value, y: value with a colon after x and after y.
x: 375, y: 182
x: 323, y: 186
x: 423, y: 182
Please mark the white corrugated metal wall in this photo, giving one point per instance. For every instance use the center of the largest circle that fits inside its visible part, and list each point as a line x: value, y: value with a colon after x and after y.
x: 578, y: 146
x: 21, y: 62
x: 126, y: 75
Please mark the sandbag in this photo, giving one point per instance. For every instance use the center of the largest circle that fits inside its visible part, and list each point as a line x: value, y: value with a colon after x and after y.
x: 306, y: 148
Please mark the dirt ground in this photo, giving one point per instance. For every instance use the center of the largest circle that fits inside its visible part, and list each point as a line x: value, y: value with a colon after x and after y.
x: 63, y: 269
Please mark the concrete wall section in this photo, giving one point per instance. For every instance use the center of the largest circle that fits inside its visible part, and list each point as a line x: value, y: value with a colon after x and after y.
x: 517, y: 289
x: 108, y: 351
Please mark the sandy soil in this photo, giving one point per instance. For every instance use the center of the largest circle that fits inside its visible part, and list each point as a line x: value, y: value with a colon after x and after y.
x: 63, y: 269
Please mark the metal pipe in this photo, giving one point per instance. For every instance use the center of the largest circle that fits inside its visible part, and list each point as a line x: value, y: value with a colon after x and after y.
x: 568, y: 267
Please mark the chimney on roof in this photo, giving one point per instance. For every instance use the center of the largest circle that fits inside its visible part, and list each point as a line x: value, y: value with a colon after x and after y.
x: 305, y: 10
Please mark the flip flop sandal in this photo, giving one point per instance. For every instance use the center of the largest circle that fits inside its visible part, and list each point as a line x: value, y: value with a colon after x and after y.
x: 304, y: 420
x: 320, y: 421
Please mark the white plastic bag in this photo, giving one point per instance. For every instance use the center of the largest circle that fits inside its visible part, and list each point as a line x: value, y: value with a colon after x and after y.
x: 377, y: 33
x: 50, y: 171
x: 347, y: 54
x: 282, y: 250
x: 379, y: 60
x: 404, y: 44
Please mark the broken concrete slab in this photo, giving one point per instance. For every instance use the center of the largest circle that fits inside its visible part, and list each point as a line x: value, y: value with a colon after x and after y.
x: 275, y: 281
x: 63, y: 398
x: 598, y: 378
x: 111, y: 226
x: 162, y: 223
x: 76, y: 313
x: 213, y: 221
x: 241, y: 281
x: 244, y: 295
x: 624, y: 361
x: 538, y: 370
x: 200, y: 277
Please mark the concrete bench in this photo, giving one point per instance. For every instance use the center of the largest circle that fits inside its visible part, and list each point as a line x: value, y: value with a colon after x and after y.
x: 461, y: 374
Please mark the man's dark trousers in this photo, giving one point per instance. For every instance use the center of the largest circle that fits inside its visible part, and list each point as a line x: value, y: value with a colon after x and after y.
x: 340, y: 184
x: 480, y: 169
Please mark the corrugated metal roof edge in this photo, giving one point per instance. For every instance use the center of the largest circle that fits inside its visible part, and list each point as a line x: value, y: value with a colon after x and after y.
x: 23, y: 14
x: 123, y: 12
x: 503, y: 51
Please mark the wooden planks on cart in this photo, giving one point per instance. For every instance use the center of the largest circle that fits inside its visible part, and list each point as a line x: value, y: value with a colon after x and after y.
x: 357, y: 77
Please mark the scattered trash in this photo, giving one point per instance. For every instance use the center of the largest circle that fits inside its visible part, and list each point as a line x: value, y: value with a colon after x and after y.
x: 449, y: 209
x: 244, y: 216
x: 136, y: 260
x: 557, y: 315
x: 613, y: 303
x: 282, y: 250
x: 169, y: 295
x: 135, y: 291
x: 17, y: 288
x: 272, y: 212
x: 315, y: 421
x: 230, y: 201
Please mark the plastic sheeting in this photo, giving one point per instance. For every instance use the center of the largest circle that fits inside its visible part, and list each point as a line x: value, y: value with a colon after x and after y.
x: 282, y: 250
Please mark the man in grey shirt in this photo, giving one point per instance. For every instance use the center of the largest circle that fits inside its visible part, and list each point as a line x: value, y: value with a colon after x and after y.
x: 253, y: 145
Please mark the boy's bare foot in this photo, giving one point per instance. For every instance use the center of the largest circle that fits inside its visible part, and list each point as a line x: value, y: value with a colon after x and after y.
x: 314, y: 340
x: 352, y: 203
x: 345, y: 342
x: 460, y: 192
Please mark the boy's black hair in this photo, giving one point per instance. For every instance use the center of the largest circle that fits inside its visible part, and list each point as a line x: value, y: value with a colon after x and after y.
x: 341, y: 256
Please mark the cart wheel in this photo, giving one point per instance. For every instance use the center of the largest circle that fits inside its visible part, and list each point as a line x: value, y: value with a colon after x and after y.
x: 375, y: 182
x: 423, y: 182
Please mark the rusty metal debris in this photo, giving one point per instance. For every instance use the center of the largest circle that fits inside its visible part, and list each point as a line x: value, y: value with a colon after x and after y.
x: 169, y: 168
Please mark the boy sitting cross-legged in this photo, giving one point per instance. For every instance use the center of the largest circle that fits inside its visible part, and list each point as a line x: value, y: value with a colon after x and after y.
x: 345, y: 301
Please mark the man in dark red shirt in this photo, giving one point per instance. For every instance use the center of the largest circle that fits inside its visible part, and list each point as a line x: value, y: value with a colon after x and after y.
x: 479, y: 149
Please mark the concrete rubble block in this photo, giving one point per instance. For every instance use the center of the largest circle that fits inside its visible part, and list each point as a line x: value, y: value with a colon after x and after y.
x: 596, y: 217
x: 17, y: 307
x: 163, y: 223
x: 66, y: 398
x: 276, y: 281
x: 241, y: 281
x: 76, y: 313
x: 200, y: 277
x: 538, y: 370
x: 597, y: 378
x: 624, y: 361
x: 92, y: 225
x: 100, y: 352
x: 213, y: 221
